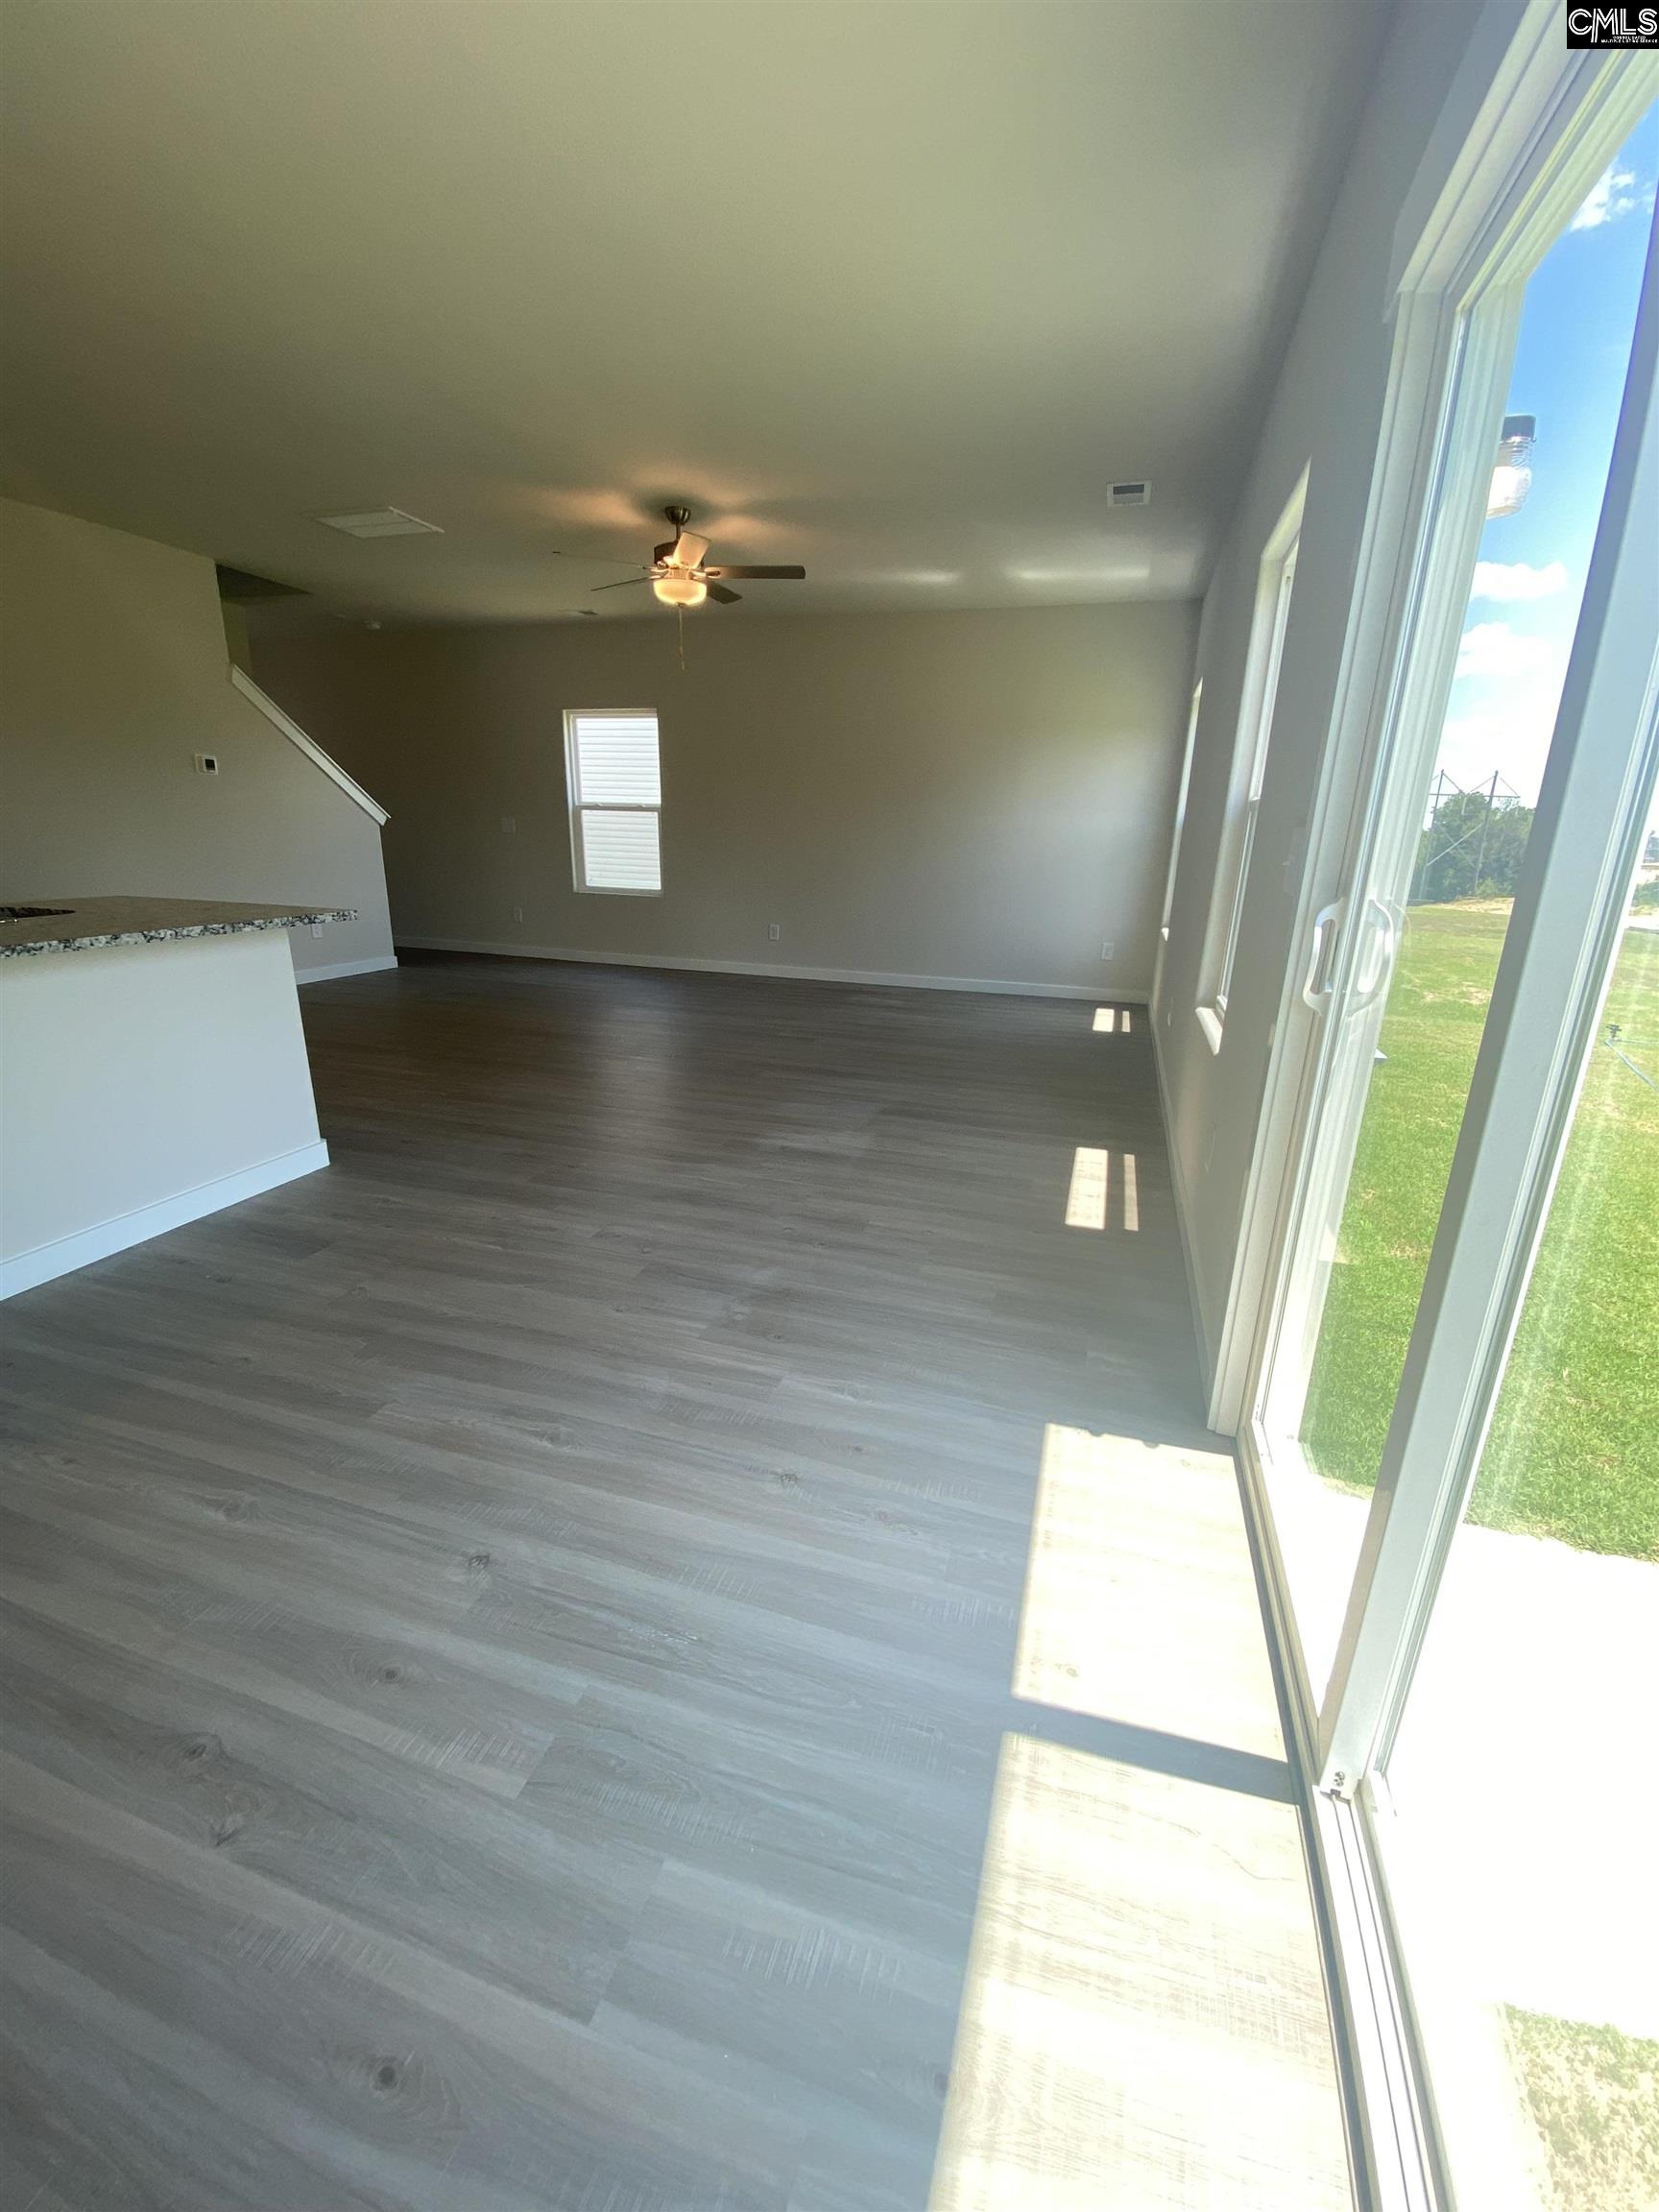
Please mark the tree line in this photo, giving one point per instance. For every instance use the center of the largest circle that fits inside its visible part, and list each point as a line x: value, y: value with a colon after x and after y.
x: 1471, y: 849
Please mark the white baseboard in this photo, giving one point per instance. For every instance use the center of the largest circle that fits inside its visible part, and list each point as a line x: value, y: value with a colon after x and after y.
x: 305, y: 975
x: 1102, y: 994
x: 1183, y: 1213
x: 68, y: 1253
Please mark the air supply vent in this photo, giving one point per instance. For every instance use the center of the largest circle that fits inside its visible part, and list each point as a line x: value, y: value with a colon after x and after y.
x: 1129, y: 495
x: 380, y: 522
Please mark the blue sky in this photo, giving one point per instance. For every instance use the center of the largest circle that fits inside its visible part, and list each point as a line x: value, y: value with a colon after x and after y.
x: 1574, y: 347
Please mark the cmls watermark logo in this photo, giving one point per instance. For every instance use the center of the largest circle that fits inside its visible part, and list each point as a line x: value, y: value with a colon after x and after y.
x: 1628, y: 26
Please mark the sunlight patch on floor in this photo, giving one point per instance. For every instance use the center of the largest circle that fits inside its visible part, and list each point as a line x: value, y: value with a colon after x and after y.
x: 1139, y: 1600
x: 1088, y: 1196
x: 1143, y: 2027
x: 1086, y: 1200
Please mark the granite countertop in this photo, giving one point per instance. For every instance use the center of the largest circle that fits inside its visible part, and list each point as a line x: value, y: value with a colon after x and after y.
x: 76, y: 925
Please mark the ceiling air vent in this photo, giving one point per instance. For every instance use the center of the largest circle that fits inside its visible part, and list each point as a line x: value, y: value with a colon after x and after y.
x: 380, y: 522
x: 1129, y: 495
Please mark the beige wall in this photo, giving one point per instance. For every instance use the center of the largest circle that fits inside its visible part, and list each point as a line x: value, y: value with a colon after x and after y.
x: 113, y: 675
x: 976, y: 796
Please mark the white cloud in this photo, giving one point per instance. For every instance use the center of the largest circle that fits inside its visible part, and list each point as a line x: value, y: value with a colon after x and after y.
x: 1510, y: 579
x: 1615, y: 192
x: 1492, y: 649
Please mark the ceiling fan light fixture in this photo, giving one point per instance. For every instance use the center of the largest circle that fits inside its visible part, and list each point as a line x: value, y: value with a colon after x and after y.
x: 680, y: 590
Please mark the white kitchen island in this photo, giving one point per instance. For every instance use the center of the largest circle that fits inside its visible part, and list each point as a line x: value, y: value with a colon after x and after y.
x: 153, y: 1070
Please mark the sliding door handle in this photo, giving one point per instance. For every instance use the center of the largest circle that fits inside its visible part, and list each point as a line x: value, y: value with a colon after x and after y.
x: 1316, y: 983
x: 1377, y: 961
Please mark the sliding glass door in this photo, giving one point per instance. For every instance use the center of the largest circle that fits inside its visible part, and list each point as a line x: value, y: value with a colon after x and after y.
x: 1525, y: 1878
x: 1454, y: 1418
x: 1435, y: 899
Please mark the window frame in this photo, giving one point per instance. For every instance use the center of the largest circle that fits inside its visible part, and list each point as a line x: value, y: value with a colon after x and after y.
x: 1270, y: 621
x: 1181, y: 792
x: 577, y: 805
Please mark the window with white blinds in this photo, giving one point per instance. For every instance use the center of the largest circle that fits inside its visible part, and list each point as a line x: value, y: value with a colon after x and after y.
x: 615, y: 785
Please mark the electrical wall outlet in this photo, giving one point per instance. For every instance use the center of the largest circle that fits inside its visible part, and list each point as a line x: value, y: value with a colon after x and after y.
x: 509, y: 825
x: 206, y: 763
x: 1109, y: 949
x: 518, y: 913
x: 774, y: 931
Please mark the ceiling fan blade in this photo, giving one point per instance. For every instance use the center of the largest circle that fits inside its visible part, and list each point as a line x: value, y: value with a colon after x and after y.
x: 687, y: 549
x: 725, y: 597
x: 777, y: 575
x: 620, y: 582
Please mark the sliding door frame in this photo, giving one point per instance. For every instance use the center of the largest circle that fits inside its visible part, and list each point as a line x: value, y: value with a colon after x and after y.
x: 1538, y: 99
x: 1514, y: 185
x: 1526, y: 164
x: 1569, y: 910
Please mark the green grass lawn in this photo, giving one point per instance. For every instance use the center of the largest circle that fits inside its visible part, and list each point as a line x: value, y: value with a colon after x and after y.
x: 1592, y: 2094
x: 1575, y: 1444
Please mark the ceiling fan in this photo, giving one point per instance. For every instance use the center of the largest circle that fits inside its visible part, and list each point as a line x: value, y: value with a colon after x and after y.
x: 679, y: 576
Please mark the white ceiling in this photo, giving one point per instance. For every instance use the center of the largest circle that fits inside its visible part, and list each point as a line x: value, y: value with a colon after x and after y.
x: 895, y: 289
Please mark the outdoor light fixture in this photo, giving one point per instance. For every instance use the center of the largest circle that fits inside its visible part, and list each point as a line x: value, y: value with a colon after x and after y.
x: 1512, y: 477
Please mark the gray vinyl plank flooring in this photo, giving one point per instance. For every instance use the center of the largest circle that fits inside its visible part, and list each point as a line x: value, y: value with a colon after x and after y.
x: 664, y: 1636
